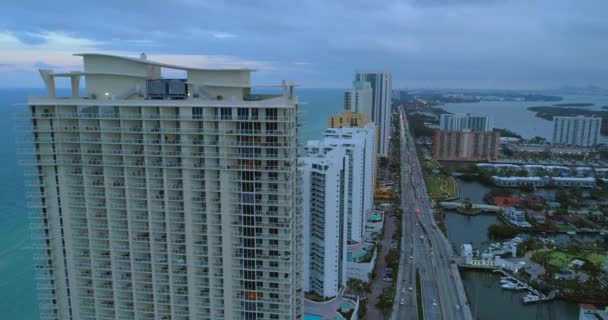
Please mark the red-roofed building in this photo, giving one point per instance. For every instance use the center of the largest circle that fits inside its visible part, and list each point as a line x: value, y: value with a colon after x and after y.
x: 506, y: 202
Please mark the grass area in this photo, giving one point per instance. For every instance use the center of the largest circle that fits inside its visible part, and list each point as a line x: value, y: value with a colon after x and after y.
x: 442, y: 187
x: 561, y: 259
x: 419, y: 296
x: 564, y: 227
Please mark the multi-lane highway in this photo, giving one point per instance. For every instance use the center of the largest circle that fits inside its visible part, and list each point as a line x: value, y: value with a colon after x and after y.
x: 425, y: 249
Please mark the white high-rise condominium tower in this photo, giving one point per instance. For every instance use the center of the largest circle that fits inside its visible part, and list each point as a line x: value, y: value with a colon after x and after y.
x: 324, y: 202
x: 165, y: 198
x: 381, y: 84
x: 359, y: 144
x: 359, y: 99
x: 578, y: 131
x: 461, y: 122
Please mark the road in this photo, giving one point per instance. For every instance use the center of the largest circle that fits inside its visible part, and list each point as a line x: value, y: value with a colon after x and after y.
x: 425, y: 249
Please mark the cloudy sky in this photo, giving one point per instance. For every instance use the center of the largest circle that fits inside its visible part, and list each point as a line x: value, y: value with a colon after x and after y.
x: 320, y: 43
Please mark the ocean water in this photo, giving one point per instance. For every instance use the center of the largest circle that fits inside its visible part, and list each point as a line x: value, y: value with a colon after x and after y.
x: 17, y: 287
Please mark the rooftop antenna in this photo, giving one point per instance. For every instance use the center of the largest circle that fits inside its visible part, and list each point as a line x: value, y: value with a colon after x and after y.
x: 142, y: 56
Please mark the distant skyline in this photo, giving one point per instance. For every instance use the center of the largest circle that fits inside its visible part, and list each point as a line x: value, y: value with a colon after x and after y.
x: 488, y: 44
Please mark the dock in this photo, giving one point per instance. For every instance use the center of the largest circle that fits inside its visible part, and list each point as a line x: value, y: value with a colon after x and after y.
x: 520, y: 285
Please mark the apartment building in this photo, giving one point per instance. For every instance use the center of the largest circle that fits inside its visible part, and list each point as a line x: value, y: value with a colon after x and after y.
x: 359, y: 147
x: 165, y: 198
x: 577, y: 131
x: 462, y: 122
x: 466, y: 145
x: 359, y: 99
x: 324, y: 203
x: 381, y: 83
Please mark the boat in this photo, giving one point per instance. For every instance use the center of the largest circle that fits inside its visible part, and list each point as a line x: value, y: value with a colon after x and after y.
x: 509, y: 286
x: 572, y: 233
x: 530, y: 298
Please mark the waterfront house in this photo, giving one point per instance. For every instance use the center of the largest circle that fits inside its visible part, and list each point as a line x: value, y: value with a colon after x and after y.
x: 516, y: 217
x: 586, y: 182
x: 505, y: 202
x: 519, y: 181
x: 538, y: 216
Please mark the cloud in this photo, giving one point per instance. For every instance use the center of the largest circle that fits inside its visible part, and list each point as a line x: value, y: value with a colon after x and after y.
x: 222, y: 35
x: 504, y: 43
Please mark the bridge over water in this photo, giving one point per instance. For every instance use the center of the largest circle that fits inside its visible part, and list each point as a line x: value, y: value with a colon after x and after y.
x: 482, y: 207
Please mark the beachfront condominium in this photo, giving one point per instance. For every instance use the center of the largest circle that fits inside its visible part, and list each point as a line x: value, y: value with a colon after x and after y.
x: 358, y: 99
x: 381, y: 84
x: 324, y: 204
x: 165, y: 198
x: 461, y: 122
x: 577, y: 131
x: 359, y: 145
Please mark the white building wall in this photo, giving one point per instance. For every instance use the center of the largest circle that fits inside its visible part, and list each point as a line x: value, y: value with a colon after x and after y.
x: 324, y: 241
x: 578, y: 131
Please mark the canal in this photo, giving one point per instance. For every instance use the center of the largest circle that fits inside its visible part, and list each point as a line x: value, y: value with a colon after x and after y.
x: 488, y: 301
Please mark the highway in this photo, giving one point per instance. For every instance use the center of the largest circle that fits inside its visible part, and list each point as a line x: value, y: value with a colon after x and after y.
x: 424, y: 248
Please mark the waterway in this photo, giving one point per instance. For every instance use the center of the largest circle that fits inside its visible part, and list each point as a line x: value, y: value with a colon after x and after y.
x: 514, y: 115
x: 489, y: 301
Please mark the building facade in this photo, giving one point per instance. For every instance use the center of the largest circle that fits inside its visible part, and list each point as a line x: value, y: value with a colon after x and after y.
x: 359, y: 99
x: 358, y: 144
x: 165, y: 198
x: 381, y: 84
x: 466, y: 145
x: 462, y: 122
x: 348, y: 119
x: 324, y: 203
x: 577, y: 131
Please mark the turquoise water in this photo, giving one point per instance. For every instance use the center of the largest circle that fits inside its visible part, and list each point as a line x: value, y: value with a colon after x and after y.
x: 312, y: 317
x: 17, y: 286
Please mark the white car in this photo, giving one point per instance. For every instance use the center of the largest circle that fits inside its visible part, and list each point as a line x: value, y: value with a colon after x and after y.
x: 403, y: 290
x: 402, y: 302
x: 410, y: 288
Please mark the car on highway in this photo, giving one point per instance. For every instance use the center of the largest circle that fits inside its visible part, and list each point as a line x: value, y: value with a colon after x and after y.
x: 434, y: 302
x: 387, y: 279
x: 411, y: 257
x: 410, y: 289
x: 403, y: 290
x: 457, y: 307
x: 402, y: 301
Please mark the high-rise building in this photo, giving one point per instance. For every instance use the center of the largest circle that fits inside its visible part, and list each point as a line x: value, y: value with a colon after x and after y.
x: 324, y: 210
x: 578, y: 131
x: 381, y: 84
x: 359, y: 99
x: 466, y: 145
x: 359, y: 145
x: 165, y: 198
x: 461, y: 122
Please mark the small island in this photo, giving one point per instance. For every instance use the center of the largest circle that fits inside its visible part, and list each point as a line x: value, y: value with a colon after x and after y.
x: 574, y: 104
